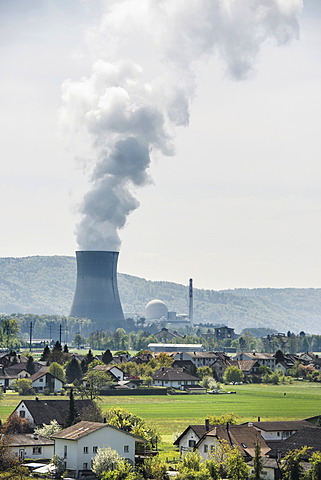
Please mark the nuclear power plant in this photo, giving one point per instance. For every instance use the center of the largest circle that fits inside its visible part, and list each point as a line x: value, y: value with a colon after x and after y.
x: 96, y: 295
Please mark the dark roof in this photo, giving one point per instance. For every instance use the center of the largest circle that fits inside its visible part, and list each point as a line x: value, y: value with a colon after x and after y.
x: 282, y: 425
x: 24, y: 439
x: 82, y: 429
x: 43, y: 411
x: 199, y: 430
x: 242, y: 437
x: 308, y: 436
x: 166, y: 373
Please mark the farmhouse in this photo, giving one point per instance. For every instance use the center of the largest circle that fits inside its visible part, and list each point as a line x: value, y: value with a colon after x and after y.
x: 78, y: 444
x: 116, y: 373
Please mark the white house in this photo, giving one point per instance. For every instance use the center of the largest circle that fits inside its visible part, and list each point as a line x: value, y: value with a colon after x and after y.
x: 114, y: 371
x: 280, y: 430
x: 31, y: 445
x: 40, y: 412
x: 191, y: 436
x: 78, y: 444
x: 42, y: 380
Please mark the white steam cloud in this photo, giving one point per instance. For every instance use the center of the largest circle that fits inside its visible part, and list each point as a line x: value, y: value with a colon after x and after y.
x: 127, y: 112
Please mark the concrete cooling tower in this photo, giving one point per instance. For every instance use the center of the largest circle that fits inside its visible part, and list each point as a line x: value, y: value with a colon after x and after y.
x: 96, y: 295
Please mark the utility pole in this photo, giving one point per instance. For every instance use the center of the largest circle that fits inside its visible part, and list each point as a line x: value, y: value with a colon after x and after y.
x: 60, y: 328
x: 30, y: 337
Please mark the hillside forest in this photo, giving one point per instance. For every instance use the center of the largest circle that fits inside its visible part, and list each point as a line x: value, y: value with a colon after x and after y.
x: 44, y: 285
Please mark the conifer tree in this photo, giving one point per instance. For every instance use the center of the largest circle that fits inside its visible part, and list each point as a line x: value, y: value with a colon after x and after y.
x: 45, y: 354
x: 72, y: 416
x: 107, y: 357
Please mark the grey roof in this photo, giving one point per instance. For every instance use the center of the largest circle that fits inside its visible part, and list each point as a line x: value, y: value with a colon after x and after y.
x: 43, y: 411
x: 82, y: 429
x: 282, y: 425
x: 172, y: 374
x: 25, y: 439
x: 308, y: 436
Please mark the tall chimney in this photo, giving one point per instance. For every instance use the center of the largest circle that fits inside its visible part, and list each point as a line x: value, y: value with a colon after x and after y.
x: 190, y: 303
x: 96, y: 296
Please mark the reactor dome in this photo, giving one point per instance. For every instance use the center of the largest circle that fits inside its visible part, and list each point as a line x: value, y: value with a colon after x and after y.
x: 156, y: 309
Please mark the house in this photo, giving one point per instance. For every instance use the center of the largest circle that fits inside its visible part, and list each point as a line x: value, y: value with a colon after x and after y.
x: 281, y: 430
x: 166, y: 336
x: 306, y: 436
x: 40, y: 412
x: 78, y: 444
x: 243, y: 437
x: 116, y: 373
x: 9, y: 375
x: 249, y: 367
x: 173, y: 377
x: 263, y: 359
x: 191, y: 436
x: 220, y: 364
x: 199, y: 359
x: 43, y: 380
x: 31, y: 445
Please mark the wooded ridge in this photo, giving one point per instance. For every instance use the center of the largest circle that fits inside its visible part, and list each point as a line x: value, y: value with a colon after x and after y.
x: 45, y: 285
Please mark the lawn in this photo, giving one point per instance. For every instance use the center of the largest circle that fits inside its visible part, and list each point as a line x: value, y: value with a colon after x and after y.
x: 172, y: 413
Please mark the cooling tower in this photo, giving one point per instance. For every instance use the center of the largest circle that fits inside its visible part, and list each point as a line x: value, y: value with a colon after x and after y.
x: 96, y: 294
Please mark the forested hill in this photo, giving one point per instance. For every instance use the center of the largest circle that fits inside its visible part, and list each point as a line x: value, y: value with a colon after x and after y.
x: 45, y: 285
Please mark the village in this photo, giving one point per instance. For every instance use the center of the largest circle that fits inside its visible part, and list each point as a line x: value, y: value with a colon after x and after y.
x: 58, y: 428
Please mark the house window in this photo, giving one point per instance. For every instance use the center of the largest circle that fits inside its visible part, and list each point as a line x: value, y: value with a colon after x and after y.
x: 85, y: 466
x: 36, y: 450
x: 126, y: 448
x: 95, y: 449
x: 205, y: 448
x: 85, y: 449
x: 22, y: 413
x: 40, y: 379
x: 65, y: 451
x: 191, y: 443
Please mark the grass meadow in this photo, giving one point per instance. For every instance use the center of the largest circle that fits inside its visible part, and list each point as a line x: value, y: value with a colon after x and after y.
x: 171, y: 414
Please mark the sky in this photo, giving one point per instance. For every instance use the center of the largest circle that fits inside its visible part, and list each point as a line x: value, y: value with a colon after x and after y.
x: 221, y: 110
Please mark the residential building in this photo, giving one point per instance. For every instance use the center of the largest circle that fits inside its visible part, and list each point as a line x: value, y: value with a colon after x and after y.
x: 187, y: 441
x: 43, y: 380
x: 266, y: 359
x: 31, y: 445
x: 78, y: 444
x: 281, y: 429
x: 40, y: 412
x: 243, y: 437
x: 173, y: 377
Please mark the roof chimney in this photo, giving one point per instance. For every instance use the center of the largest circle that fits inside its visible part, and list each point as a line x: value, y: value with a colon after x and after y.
x: 207, y: 424
x: 258, y: 419
x: 35, y: 436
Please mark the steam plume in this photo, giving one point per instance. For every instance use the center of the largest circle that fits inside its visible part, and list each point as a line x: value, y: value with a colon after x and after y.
x: 127, y: 109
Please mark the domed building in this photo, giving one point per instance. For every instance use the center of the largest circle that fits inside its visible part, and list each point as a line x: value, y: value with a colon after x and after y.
x: 156, y: 310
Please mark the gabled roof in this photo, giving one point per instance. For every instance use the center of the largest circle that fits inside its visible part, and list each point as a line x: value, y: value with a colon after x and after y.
x: 43, y: 411
x: 283, y: 425
x: 310, y: 437
x: 82, y: 429
x: 172, y: 374
x: 25, y: 439
x: 199, y: 430
x: 41, y: 373
x: 242, y: 437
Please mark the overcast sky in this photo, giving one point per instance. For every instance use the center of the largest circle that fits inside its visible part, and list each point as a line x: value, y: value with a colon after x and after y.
x: 237, y: 200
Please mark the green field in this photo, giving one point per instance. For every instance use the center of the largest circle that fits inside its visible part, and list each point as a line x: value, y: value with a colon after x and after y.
x: 172, y: 413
